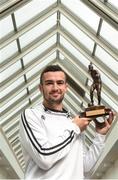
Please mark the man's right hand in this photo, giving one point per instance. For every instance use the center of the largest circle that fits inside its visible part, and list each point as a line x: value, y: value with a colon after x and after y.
x: 82, y: 123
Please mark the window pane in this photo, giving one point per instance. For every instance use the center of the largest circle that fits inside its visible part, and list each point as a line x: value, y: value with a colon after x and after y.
x: 107, y: 59
x: 114, y: 3
x: 37, y: 51
x: 83, y: 12
x: 82, y: 37
x: 6, y: 22
x: 8, y: 51
x: 37, y: 31
x: 30, y: 10
x: 108, y: 100
x: 11, y: 70
x: 110, y: 34
x: 34, y: 84
x: 11, y: 87
x: 74, y: 51
x: 39, y: 67
x: 109, y: 83
x: 13, y: 100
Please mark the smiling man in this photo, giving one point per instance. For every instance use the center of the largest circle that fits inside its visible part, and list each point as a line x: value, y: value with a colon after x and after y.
x: 53, y: 141
x: 53, y: 87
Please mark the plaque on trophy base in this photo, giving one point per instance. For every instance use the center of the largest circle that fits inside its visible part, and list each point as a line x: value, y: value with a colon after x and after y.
x: 95, y: 111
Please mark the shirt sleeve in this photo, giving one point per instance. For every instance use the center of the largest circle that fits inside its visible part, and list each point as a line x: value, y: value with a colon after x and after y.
x: 92, y: 154
x: 37, y: 144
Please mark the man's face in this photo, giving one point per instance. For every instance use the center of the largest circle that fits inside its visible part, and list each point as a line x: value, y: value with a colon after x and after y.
x: 53, y: 87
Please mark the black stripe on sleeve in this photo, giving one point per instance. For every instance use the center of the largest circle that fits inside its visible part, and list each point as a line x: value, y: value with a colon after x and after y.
x: 37, y: 145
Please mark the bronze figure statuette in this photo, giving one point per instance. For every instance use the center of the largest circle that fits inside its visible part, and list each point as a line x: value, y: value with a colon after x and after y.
x: 94, y: 111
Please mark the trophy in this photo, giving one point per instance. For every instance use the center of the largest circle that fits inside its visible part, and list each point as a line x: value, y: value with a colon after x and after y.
x: 94, y: 111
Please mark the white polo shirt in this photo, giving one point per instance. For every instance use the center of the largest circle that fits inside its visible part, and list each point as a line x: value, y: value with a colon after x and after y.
x: 53, y: 146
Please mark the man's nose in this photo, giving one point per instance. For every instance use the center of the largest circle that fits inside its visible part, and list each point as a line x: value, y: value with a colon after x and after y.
x: 55, y: 86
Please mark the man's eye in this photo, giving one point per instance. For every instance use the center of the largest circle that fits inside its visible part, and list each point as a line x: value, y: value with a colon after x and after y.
x: 60, y: 82
x: 48, y: 83
x: 51, y: 83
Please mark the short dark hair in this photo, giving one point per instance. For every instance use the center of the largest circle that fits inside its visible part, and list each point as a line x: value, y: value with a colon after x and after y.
x: 51, y: 68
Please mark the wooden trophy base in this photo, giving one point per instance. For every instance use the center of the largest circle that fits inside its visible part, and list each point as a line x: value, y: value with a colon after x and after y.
x: 95, y: 111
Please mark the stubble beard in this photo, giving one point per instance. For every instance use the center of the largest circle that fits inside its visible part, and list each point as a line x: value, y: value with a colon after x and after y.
x: 53, y: 101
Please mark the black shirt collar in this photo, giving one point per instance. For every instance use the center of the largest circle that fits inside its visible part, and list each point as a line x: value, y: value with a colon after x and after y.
x: 54, y: 110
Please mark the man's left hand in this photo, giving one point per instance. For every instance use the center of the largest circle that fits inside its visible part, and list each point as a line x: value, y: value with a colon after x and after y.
x: 104, y: 128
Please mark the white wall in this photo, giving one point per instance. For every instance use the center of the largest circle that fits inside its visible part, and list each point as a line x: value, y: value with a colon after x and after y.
x: 112, y: 172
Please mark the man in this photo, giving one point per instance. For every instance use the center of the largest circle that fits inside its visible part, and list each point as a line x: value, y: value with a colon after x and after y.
x: 96, y: 85
x: 52, y: 141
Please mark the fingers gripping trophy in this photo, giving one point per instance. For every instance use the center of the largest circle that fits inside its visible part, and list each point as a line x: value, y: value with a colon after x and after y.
x: 94, y: 111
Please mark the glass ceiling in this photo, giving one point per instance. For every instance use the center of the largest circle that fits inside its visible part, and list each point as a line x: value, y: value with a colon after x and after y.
x: 71, y: 33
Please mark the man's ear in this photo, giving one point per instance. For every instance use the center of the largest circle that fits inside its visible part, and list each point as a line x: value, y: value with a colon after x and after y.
x: 66, y: 86
x: 40, y: 88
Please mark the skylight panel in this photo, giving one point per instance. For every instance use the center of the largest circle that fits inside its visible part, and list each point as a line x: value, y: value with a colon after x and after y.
x: 37, y: 51
x: 37, y: 93
x: 107, y: 59
x: 109, y: 101
x: 10, y: 70
x: 114, y: 3
x: 11, y: 87
x: 8, y: 51
x: 6, y: 22
x: 74, y: 51
x: 37, y: 31
x: 109, y: 83
x: 39, y: 67
x: 34, y: 84
x: 61, y: 56
x: 81, y: 37
x: 30, y: 10
x: 19, y: 107
x: 82, y: 11
x: 110, y: 34
x: 13, y: 100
